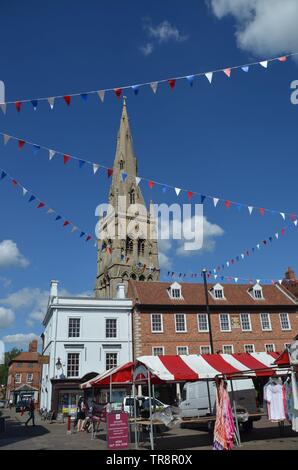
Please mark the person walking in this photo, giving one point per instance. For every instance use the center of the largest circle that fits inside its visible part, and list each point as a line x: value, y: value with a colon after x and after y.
x: 31, y: 413
x: 81, y: 414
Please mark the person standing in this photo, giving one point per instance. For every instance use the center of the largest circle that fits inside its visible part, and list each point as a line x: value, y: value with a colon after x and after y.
x: 81, y: 415
x: 31, y: 413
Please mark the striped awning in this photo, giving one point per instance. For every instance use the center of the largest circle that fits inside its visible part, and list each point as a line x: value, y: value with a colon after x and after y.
x: 118, y: 375
x: 205, y: 366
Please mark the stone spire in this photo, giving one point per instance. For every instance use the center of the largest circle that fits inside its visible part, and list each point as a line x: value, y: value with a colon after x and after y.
x: 135, y: 255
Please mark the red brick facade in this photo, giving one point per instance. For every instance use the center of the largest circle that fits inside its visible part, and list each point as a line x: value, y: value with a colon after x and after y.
x: 24, y: 375
x: 153, y: 298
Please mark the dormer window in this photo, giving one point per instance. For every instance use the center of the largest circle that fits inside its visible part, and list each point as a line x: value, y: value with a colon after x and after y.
x: 256, y: 292
x: 175, y: 291
x: 218, y: 292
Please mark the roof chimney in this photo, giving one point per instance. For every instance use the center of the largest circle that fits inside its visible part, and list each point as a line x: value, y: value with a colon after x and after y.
x: 54, y: 289
x: 33, y: 346
x: 120, y: 292
x: 290, y: 274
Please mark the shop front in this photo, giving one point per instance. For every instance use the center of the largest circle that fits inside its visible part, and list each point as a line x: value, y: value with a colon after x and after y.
x: 66, y: 394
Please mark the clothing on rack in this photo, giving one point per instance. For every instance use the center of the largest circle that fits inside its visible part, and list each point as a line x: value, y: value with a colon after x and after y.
x: 294, y: 419
x: 274, y: 396
x: 224, y: 430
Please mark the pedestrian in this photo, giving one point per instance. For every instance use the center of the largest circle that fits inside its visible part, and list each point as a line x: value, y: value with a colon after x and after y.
x: 31, y: 413
x: 10, y: 404
x: 81, y: 414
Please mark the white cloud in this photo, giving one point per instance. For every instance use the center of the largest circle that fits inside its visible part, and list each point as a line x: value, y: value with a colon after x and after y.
x: 210, y: 233
x: 263, y: 27
x: 10, y: 255
x: 147, y: 49
x: 7, y: 317
x: 5, y: 281
x: 20, y: 338
x: 161, y: 33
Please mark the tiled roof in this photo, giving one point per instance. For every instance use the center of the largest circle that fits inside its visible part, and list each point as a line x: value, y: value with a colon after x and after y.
x: 156, y: 293
x: 26, y: 357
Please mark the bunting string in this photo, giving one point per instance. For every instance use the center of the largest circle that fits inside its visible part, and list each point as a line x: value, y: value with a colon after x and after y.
x: 216, y: 202
x: 38, y: 203
x: 135, y: 88
x: 227, y: 279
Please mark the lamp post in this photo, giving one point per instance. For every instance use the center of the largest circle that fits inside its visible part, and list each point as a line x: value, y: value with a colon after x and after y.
x: 204, y: 272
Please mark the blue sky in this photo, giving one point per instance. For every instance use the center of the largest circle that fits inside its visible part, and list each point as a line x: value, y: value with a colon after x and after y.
x: 236, y: 138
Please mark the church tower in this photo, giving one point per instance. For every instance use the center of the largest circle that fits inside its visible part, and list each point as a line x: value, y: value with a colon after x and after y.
x: 127, y: 238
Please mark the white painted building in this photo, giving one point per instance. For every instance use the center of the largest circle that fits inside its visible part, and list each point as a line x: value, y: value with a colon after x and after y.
x: 83, y: 336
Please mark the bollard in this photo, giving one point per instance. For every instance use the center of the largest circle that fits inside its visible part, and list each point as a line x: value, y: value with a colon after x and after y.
x: 68, y: 425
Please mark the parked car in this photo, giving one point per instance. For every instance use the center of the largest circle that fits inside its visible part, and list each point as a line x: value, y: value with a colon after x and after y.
x: 22, y: 405
x: 196, y: 400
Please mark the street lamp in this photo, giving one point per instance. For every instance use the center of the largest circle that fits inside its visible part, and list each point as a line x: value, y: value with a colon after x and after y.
x: 59, y: 366
x: 204, y: 272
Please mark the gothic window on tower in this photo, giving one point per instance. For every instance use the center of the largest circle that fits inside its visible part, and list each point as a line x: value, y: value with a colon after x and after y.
x: 121, y: 164
x: 141, y: 247
x: 132, y: 197
x: 129, y: 245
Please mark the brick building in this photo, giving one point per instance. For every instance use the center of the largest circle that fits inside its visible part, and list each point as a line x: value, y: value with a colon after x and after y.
x: 24, y: 375
x: 170, y: 318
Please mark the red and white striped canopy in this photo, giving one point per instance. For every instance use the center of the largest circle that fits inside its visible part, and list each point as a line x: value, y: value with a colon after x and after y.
x: 118, y: 375
x: 205, y: 366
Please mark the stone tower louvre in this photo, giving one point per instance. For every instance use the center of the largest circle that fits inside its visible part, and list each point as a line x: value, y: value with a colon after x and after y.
x: 127, y: 242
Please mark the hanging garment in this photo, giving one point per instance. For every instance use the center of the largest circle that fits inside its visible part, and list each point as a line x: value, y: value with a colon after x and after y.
x: 295, y: 402
x: 274, y: 396
x: 224, y: 430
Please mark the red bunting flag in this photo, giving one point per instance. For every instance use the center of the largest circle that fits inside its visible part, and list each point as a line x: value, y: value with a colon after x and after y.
x: 283, y: 231
x: 282, y: 59
x: 262, y: 211
x: 118, y: 92
x: 21, y: 144
x: 67, y: 99
x: 227, y: 204
x: 227, y: 72
x: 172, y: 83
x: 40, y: 205
x: 293, y: 217
x: 110, y: 172
x: 190, y: 195
x: 151, y: 184
x: 88, y: 238
x: 66, y: 159
x: 18, y: 106
x: 66, y: 223
x: 14, y: 182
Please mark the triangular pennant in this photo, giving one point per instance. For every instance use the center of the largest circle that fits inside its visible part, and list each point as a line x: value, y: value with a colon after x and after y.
x: 82, y: 234
x: 51, y: 102
x: 228, y: 264
x: 203, y: 199
x: 138, y: 180
x: 242, y: 255
x: 118, y: 92
x: 209, y: 76
x: 245, y: 68
x: 262, y: 211
x: 95, y: 168
x: 283, y: 215
x: 66, y: 223
x: 283, y: 58
x: 293, y: 217
x: 3, y: 107
x: 101, y: 94
x: 227, y: 204
x: 40, y: 205
x: 18, y: 105
x: 3, y: 174
x: 58, y: 217
x: 50, y: 211
x: 123, y: 176
x: 280, y: 281
x: 227, y: 72
x: 31, y: 198
x: 89, y: 238
x: 154, y: 86
x: 34, y: 104
x: 135, y: 89
x: 66, y: 159
x: 14, y: 182
x: 189, y: 194
x: 25, y: 191
x: 276, y: 235
x: 74, y: 229
x: 264, y: 63
x: 295, y: 222
x: 177, y: 191
x: 283, y: 231
x: 51, y: 154
x: 21, y: 143
x: 190, y: 79
x: 6, y: 138
x: 67, y: 99
x: 81, y: 163
x: 236, y: 279
x: 110, y: 172
x: 250, y: 209
x: 84, y: 96
x: 258, y: 246
x: 215, y: 201
x: 151, y: 184
x: 172, y: 83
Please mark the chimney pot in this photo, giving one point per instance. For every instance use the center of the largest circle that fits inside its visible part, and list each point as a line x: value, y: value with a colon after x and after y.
x: 120, y: 293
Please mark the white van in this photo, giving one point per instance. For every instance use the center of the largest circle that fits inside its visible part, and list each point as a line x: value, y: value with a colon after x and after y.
x: 195, y: 401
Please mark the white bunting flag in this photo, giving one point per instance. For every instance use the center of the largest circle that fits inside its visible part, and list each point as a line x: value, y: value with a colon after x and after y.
x: 264, y: 63
x: 258, y: 281
x: 101, y: 94
x: 95, y: 168
x: 215, y: 276
x: 138, y: 179
x: 250, y: 208
x: 74, y: 229
x: 283, y: 215
x: 276, y: 235
x: 51, y: 102
x: 215, y: 201
x: 295, y: 222
x: 242, y: 255
x: 51, y: 154
x: 25, y: 191
x: 280, y: 281
x: 214, y: 270
x: 50, y: 211
x: 6, y: 138
x: 228, y: 263
x: 258, y: 246
x: 236, y: 279
x: 154, y: 86
x: 209, y: 76
x: 177, y: 190
x: 3, y: 107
